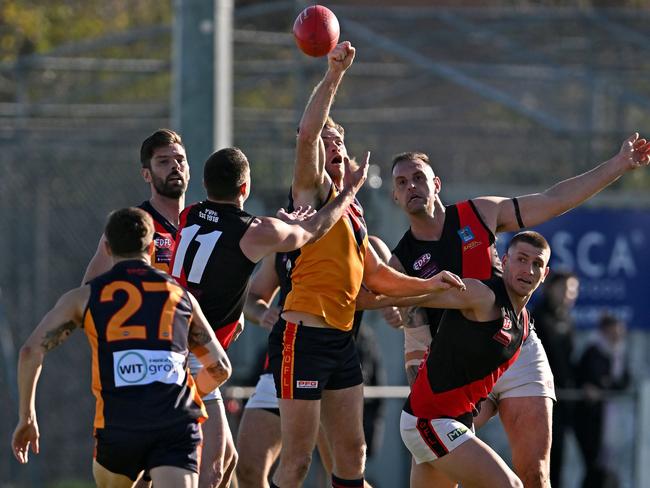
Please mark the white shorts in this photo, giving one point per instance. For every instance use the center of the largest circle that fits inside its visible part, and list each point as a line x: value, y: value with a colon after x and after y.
x: 529, y: 376
x: 195, y: 367
x: 265, y: 395
x: 429, y: 440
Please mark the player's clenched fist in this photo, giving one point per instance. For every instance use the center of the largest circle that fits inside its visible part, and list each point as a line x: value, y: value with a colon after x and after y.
x: 341, y: 57
x: 635, y: 152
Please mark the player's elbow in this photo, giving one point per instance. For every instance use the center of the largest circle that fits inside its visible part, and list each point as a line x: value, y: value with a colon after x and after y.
x: 307, y: 235
x: 30, y: 353
x: 220, y: 370
x: 308, y: 134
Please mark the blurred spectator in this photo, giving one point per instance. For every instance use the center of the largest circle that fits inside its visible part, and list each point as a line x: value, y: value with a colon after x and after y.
x: 555, y: 328
x: 602, y: 367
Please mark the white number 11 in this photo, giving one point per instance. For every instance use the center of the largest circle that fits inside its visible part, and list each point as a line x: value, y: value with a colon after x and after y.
x: 206, y: 246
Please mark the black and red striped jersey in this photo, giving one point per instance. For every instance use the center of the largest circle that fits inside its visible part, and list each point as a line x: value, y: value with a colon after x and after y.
x: 466, y: 248
x: 137, y: 322
x: 209, y: 262
x: 465, y: 360
x: 163, y: 237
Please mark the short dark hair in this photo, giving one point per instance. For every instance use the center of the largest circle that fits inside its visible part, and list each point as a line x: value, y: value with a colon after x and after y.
x: 529, y: 237
x: 409, y: 156
x: 129, y: 231
x: 160, y: 138
x: 224, y: 172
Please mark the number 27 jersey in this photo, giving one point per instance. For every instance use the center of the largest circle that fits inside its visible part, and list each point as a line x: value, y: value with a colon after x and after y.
x: 208, y: 261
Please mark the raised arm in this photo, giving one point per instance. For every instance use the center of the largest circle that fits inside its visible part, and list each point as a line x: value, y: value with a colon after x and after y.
x: 205, y: 346
x: 54, y: 329
x: 100, y: 262
x: 267, y: 235
x: 263, y: 288
x: 500, y: 213
x: 310, y: 181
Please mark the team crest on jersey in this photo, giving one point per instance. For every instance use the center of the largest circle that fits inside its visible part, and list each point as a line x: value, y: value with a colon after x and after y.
x: 421, y: 261
x: 466, y: 234
x: 507, y: 323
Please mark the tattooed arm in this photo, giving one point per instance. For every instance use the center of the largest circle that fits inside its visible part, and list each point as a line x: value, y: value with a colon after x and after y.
x: 417, y: 338
x: 205, y: 346
x: 54, y: 329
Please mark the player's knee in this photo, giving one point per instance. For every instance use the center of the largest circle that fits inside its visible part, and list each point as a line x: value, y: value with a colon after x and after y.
x: 250, y: 473
x: 298, y: 466
x: 351, y: 456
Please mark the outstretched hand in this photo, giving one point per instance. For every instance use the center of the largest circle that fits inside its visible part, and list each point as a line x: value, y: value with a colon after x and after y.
x: 354, y: 178
x: 298, y: 215
x: 340, y: 58
x: 445, y: 280
x: 25, y: 435
x: 635, y: 152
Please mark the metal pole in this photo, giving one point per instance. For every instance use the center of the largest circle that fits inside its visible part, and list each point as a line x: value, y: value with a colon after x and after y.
x: 223, y: 73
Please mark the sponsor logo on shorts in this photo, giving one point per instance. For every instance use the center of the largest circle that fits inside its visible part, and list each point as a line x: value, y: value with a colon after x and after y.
x: 142, y: 367
x: 456, y: 433
x: 306, y: 384
x: 466, y: 234
x: 421, y: 261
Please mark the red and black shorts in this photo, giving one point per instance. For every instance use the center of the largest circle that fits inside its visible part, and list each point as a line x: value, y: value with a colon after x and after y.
x: 305, y: 360
x: 129, y: 452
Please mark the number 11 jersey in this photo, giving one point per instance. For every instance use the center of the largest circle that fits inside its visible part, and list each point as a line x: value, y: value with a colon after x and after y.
x: 209, y: 262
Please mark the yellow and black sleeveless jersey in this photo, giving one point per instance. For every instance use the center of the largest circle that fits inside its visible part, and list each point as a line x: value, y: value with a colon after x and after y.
x: 163, y: 238
x: 137, y: 322
x: 326, y: 275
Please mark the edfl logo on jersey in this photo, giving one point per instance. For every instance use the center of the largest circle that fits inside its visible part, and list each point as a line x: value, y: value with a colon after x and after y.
x: 142, y: 367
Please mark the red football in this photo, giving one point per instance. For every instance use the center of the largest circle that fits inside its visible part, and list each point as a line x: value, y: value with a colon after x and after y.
x: 316, y: 30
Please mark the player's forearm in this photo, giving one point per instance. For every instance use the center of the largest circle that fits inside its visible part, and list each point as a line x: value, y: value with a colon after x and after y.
x: 387, y: 281
x: 567, y: 194
x: 30, y: 363
x: 318, y: 107
x: 373, y: 301
x: 411, y: 374
x: 325, y: 218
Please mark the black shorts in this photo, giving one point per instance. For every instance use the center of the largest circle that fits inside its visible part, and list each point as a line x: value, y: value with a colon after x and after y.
x: 129, y: 452
x: 305, y: 360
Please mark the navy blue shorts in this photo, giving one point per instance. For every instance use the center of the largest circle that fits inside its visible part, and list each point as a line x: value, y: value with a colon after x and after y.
x: 129, y: 452
x: 306, y: 360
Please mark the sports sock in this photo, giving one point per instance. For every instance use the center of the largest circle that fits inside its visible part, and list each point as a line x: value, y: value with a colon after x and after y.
x: 341, y: 483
